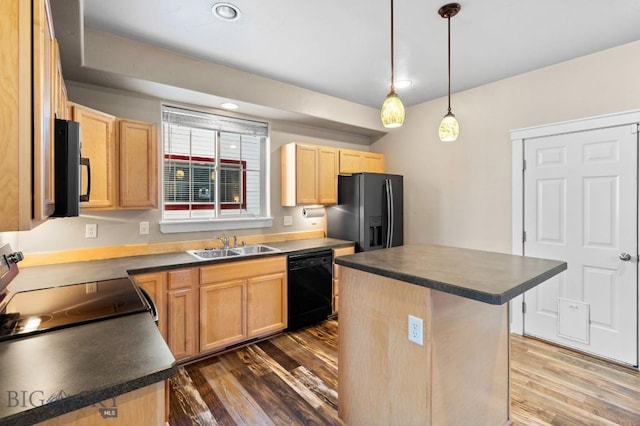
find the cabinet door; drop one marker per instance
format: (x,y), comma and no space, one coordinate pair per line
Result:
(154,284)
(97,139)
(327,175)
(266,304)
(43,118)
(336,274)
(182,309)
(137,143)
(373,162)
(60,102)
(306,174)
(350,161)
(222,314)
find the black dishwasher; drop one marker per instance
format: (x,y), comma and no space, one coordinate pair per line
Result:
(310,282)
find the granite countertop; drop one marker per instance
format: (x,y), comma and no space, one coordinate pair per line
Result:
(488,277)
(80,366)
(98,270)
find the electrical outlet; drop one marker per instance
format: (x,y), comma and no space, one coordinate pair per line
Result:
(415,330)
(144,228)
(91,230)
(287,221)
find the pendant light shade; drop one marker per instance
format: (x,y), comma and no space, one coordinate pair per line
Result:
(392,112)
(449,128)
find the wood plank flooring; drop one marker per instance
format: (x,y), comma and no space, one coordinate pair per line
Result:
(292,379)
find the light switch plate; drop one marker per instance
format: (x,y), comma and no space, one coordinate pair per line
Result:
(287,221)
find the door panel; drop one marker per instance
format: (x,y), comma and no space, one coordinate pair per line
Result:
(580,205)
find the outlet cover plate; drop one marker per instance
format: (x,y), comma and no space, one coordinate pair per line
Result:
(415,330)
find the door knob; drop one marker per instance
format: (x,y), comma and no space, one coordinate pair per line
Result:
(625,256)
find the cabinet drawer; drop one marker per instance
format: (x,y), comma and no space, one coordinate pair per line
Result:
(242,269)
(181,278)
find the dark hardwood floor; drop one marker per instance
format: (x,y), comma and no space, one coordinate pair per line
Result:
(292,379)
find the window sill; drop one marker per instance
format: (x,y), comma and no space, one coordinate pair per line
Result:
(176,226)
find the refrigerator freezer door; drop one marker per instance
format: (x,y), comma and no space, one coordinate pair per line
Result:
(369,211)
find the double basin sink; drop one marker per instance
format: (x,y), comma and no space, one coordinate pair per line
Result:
(218,253)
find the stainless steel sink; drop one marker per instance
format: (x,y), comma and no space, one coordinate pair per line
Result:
(254,249)
(208,254)
(219,253)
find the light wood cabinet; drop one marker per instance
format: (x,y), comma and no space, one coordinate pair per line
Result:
(123,156)
(336,274)
(138,170)
(155,284)
(352,161)
(60,101)
(222,314)
(210,308)
(26,133)
(182,312)
(266,304)
(241,300)
(98,143)
(308,174)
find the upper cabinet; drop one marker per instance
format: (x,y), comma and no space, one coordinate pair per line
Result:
(27,49)
(138,165)
(98,143)
(123,158)
(352,161)
(309,174)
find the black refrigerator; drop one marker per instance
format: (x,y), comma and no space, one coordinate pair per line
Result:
(369,211)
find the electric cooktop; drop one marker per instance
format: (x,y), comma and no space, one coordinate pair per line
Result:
(52,308)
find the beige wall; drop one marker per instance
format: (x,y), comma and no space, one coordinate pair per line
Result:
(121,227)
(460,193)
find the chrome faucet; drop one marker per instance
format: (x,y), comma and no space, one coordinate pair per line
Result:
(235,241)
(225,240)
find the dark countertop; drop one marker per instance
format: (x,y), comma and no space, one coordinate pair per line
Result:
(99,270)
(84,364)
(97,361)
(488,277)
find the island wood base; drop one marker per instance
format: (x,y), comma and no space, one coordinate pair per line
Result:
(460,376)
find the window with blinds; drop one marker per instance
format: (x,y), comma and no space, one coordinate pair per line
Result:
(213,166)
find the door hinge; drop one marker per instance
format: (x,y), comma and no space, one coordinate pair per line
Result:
(524,165)
(524,307)
(524,236)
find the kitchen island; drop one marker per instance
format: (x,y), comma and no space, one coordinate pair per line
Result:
(460,374)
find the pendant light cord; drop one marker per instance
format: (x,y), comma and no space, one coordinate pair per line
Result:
(392,78)
(449,61)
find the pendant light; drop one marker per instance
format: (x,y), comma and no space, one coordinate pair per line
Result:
(392,112)
(449,128)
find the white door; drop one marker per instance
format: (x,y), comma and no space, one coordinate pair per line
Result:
(580,205)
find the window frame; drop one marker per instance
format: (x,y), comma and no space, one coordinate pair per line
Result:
(223,222)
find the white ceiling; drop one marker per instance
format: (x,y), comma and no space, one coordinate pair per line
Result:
(342,48)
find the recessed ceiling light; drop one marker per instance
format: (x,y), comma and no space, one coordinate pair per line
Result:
(225,11)
(401,84)
(229,105)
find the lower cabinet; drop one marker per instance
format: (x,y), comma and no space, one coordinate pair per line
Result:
(242,300)
(222,314)
(209,308)
(336,274)
(182,309)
